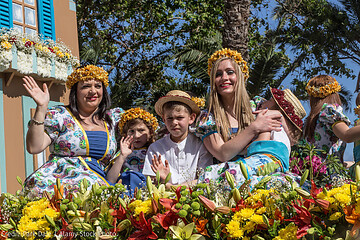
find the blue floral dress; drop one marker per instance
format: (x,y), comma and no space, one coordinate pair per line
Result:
(324,137)
(70,153)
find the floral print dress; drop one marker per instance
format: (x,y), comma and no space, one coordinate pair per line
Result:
(324,137)
(257,165)
(69,150)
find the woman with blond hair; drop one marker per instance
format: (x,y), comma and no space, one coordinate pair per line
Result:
(229,125)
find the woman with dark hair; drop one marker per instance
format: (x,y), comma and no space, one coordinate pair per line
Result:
(81,136)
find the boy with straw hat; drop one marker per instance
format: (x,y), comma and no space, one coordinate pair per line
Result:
(178,152)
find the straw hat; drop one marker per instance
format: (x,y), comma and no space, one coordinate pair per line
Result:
(176,96)
(289,105)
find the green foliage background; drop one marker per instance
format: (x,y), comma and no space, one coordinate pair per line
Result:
(151,47)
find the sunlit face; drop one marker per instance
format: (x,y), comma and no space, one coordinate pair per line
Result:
(140,133)
(177,122)
(225,78)
(89,94)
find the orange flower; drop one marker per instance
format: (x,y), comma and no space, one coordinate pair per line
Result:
(200,224)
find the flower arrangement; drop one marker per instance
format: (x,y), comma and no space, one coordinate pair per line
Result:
(196,212)
(134,113)
(305,159)
(47,52)
(88,72)
(324,91)
(236,56)
(200,102)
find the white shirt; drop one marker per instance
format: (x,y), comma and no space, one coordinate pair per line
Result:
(281,136)
(184,158)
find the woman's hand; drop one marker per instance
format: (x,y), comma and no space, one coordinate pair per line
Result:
(126,146)
(267,121)
(41,97)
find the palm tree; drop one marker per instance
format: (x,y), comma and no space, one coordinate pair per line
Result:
(236,26)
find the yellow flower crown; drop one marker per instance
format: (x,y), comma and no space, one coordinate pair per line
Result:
(88,72)
(134,113)
(236,56)
(324,91)
(200,102)
(357,110)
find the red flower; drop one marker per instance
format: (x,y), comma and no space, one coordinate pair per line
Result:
(64,232)
(119,213)
(302,220)
(144,229)
(167,219)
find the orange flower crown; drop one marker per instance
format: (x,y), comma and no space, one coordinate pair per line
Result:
(88,72)
(134,113)
(324,91)
(357,110)
(236,56)
(200,102)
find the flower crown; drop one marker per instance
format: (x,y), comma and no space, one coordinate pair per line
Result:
(88,72)
(357,110)
(200,102)
(236,56)
(324,91)
(134,113)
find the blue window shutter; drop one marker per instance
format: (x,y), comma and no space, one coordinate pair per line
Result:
(6,20)
(46,18)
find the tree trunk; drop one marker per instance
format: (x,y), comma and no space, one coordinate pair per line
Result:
(236,26)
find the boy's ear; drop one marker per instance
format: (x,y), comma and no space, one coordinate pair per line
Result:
(192,118)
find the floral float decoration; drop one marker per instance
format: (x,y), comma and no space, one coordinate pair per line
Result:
(31,54)
(199,212)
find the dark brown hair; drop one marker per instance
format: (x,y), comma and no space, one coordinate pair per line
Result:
(135,121)
(100,112)
(317,103)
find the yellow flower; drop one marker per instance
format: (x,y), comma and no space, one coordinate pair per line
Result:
(335,216)
(258,219)
(236,56)
(200,102)
(6,45)
(59,54)
(246,213)
(233,228)
(139,206)
(33,220)
(324,91)
(134,113)
(88,72)
(261,210)
(288,233)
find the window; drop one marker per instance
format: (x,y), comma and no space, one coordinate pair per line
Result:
(25,16)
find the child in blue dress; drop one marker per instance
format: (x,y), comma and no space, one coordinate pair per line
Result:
(137,128)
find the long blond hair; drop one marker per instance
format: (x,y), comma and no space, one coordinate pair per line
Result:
(316,103)
(243,112)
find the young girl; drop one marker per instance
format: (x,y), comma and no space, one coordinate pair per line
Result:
(137,128)
(326,126)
